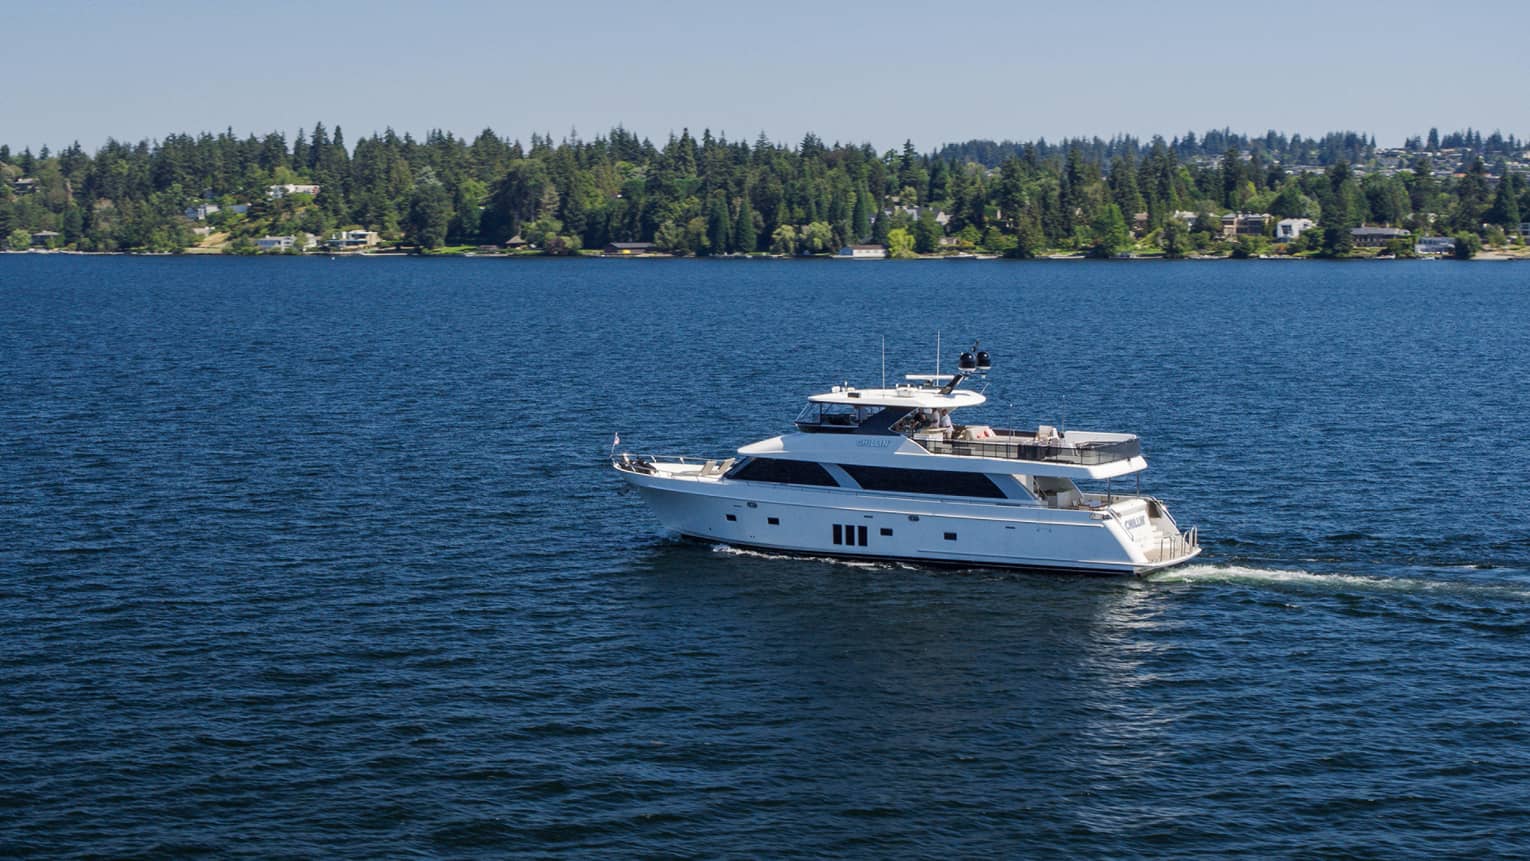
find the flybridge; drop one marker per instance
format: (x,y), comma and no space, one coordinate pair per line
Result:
(846,407)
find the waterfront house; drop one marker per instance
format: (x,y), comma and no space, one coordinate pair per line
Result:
(862,252)
(290,188)
(282,243)
(1185,217)
(202,210)
(1288,229)
(347,239)
(621,249)
(1435,245)
(1243,224)
(25,185)
(46,238)
(1376,237)
(914,212)
(515,243)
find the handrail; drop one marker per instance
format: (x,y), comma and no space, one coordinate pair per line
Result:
(1084,454)
(1175,546)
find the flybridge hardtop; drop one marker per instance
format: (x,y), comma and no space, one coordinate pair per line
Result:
(896,458)
(902,396)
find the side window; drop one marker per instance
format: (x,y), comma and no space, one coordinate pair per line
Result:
(924,481)
(780,471)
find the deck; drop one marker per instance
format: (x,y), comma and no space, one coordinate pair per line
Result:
(1024,445)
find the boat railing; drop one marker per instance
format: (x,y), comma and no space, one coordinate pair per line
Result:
(645,463)
(1010,445)
(1175,546)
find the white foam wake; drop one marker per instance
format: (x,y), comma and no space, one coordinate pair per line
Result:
(1300,578)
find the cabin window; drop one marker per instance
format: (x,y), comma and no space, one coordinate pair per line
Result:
(886,533)
(773,521)
(851,534)
(731,517)
(930,481)
(950,536)
(779,471)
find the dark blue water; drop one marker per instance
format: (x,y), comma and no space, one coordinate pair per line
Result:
(322,558)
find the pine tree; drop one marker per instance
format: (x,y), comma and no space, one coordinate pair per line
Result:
(1505,209)
(927,232)
(860,220)
(719,226)
(743,229)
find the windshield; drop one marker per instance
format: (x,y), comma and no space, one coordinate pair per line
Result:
(836,415)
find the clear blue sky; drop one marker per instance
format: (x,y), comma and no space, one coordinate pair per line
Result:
(861,72)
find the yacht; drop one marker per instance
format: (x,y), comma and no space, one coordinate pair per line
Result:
(891,474)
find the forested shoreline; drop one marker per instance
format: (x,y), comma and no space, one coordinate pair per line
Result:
(709,195)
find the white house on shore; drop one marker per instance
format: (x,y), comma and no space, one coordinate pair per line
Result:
(862,252)
(202,210)
(302,241)
(1435,245)
(290,188)
(1288,229)
(1376,237)
(352,239)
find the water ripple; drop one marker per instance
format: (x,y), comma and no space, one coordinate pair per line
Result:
(304,558)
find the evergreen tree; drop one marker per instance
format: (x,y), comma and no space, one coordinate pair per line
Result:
(430,212)
(1471,197)
(719,226)
(1173,240)
(860,220)
(927,232)
(1505,209)
(743,229)
(1111,236)
(880,229)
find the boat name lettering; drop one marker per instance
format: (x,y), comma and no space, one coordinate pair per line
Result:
(873,443)
(1136,522)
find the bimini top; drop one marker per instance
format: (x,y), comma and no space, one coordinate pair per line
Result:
(902,396)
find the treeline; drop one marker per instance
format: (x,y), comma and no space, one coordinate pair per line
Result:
(711,195)
(1330,149)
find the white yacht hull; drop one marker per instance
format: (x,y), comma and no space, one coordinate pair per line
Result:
(934,530)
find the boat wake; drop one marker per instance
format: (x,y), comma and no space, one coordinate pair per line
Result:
(1333,581)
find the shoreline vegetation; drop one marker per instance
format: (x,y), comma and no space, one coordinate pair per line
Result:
(1213,196)
(1511,254)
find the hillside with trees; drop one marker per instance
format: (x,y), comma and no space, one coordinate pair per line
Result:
(708,195)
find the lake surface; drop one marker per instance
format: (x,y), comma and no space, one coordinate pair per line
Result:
(322,558)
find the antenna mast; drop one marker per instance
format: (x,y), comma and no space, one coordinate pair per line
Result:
(884,361)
